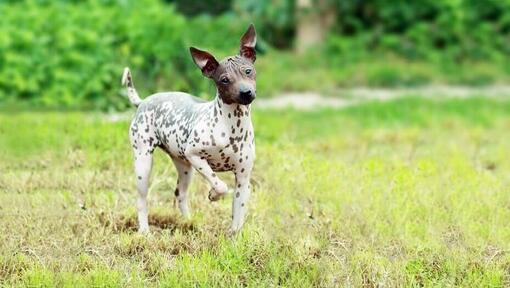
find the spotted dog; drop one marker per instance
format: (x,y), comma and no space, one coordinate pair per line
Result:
(210,137)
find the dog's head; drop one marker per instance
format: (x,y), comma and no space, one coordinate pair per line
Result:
(235,75)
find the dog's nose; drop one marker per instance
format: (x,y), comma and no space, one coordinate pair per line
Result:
(246,97)
(245,94)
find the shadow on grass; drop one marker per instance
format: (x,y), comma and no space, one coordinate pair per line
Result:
(157,222)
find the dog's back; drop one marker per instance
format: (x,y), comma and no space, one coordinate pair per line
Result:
(165,120)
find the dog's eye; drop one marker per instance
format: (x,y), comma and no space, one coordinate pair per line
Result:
(247,71)
(225,80)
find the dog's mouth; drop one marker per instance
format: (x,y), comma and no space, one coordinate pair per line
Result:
(246,101)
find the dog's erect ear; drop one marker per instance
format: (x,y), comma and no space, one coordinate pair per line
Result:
(205,61)
(248,42)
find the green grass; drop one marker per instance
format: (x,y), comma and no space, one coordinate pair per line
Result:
(324,72)
(404,193)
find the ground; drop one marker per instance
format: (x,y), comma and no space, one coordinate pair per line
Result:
(408,192)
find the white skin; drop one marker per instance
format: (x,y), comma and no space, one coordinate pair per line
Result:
(210,137)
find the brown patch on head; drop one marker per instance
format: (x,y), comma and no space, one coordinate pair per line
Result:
(234,75)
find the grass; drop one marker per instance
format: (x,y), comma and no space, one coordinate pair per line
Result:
(326,72)
(405,193)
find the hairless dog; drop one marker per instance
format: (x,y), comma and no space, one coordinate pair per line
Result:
(208,137)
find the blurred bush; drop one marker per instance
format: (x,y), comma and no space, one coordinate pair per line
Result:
(62,54)
(275,19)
(454,30)
(196,7)
(56,53)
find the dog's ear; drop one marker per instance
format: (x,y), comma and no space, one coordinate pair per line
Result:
(248,42)
(205,61)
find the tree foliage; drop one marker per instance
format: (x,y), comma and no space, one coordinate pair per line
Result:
(71,53)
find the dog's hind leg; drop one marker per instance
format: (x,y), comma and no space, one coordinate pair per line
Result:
(185,173)
(143,166)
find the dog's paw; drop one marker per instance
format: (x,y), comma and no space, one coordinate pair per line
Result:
(143,230)
(214,195)
(221,188)
(232,232)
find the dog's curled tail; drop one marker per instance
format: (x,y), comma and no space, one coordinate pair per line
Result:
(127,81)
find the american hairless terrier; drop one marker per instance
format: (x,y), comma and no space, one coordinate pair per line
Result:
(210,136)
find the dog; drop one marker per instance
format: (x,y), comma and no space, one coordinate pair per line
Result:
(208,137)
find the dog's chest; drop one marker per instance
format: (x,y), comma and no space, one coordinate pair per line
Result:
(226,142)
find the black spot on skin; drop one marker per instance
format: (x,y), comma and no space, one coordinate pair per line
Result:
(185,172)
(176,193)
(242,204)
(139,177)
(238,122)
(213,174)
(223,134)
(242,170)
(238,194)
(238,185)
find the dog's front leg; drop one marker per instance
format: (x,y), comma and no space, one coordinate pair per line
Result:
(201,165)
(240,200)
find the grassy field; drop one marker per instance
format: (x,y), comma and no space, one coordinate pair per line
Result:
(405,193)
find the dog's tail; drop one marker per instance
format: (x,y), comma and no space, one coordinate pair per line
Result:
(127,81)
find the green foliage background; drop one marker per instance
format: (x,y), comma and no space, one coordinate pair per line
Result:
(71,53)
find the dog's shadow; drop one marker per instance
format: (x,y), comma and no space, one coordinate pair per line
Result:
(157,222)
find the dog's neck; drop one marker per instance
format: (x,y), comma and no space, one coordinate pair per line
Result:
(231,111)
